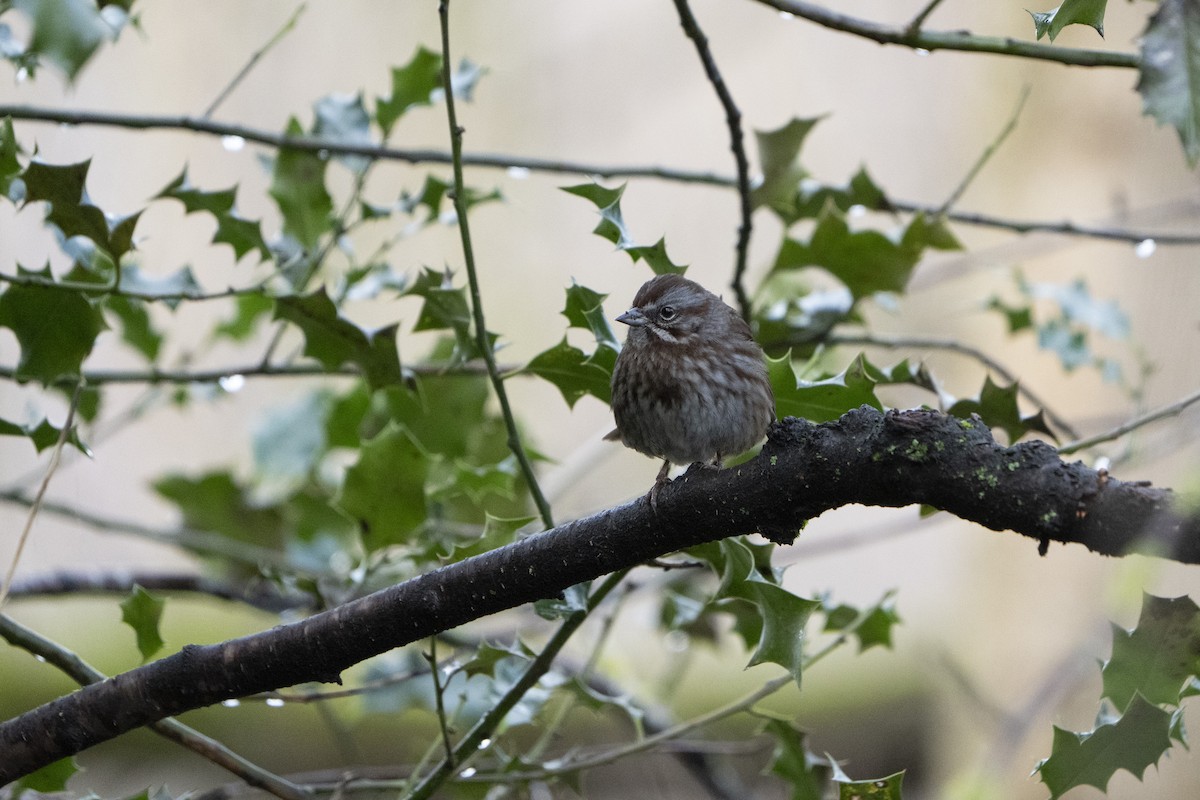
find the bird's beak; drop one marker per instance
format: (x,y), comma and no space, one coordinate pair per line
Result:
(634,318)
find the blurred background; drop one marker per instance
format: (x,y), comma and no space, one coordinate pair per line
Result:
(997,644)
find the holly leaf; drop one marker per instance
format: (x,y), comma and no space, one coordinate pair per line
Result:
(298,188)
(997,406)
(446,308)
(497,532)
(241,234)
(50,779)
(784,616)
(142,612)
(288,444)
(385,489)
(779,160)
(70,210)
(43,435)
(1159,657)
(215,502)
(343,118)
(55,328)
(822,400)
(1019,318)
(66,32)
(10,166)
(867,261)
(435,192)
(585,310)
(1133,742)
(805,774)
(334,340)
(871,626)
(575,373)
(1169,71)
(136,328)
(612,227)
(781,615)
(412,85)
(1071,12)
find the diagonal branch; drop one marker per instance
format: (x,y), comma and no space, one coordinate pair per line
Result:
(920,39)
(733,118)
(868,457)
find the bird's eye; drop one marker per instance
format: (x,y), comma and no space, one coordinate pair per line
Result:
(666,313)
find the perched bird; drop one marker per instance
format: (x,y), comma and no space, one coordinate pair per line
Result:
(690,384)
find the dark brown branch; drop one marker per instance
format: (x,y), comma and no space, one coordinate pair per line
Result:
(733,120)
(867,457)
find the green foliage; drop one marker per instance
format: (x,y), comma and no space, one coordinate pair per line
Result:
(412,85)
(1068,333)
(1158,658)
(66,32)
(805,775)
(47,780)
(43,435)
(55,328)
(1169,79)
(1152,668)
(1133,742)
(612,227)
(385,489)
(298,188)
(142,612)
(1071,12)
(997,407)
(333,340)
(241,234)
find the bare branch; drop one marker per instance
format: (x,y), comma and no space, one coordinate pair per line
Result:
(733,119)
(918,39)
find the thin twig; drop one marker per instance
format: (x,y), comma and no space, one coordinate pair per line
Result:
(199,541)
(985,156)
(733,118)
(255,57)
(36,505)
(84,674)
(545,165)
(264,595)
(922,15)
(1132,425)
(683,728)
(116,291)
(540,665)
(438,690)
(464,229)
(952,40)
(953,346)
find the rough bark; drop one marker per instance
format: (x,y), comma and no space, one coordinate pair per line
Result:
(867,457)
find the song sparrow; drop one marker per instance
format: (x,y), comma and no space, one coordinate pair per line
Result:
(690,383)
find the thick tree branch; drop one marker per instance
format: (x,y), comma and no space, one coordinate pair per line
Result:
(867,457)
